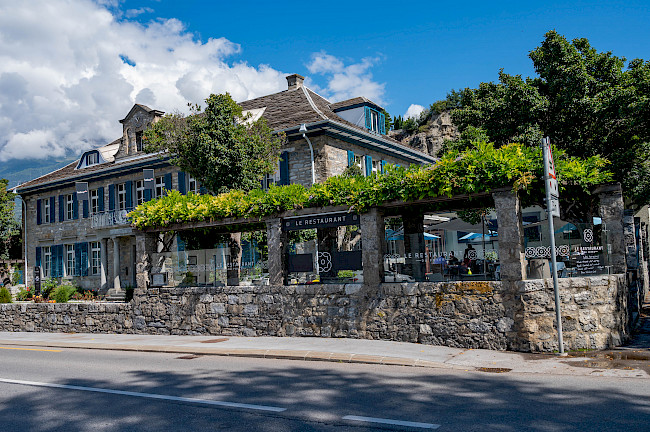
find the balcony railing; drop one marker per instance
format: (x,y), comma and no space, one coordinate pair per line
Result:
(110,219)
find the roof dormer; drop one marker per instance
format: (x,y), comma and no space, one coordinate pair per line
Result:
(363,113)
(90,158)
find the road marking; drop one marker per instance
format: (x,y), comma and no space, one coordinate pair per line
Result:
(30,349)
(147,395)
(392,422)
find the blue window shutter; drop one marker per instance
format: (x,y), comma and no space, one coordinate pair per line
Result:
(84,259)
(75,206)
(57,261)
(85,208)
(168,181)
(38,256)
(111,197)
(147,194)
(368,165)
(284,168)
(181,183)
(38,212)
(52,210)
(100,197)
(77,259)
(382,124)
(383,166)
(350,158)
(129,194)
(61,208)
(366,111)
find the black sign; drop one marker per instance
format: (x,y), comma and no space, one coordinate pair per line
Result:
(589,260)
(320,221)
(82,190)
(37,281)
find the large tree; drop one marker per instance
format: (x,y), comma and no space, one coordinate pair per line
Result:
(587,102)
(9,227)
(219,146)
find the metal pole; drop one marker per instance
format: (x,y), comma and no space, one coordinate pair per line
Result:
(549,212)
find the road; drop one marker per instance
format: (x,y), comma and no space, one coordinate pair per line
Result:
(128,391)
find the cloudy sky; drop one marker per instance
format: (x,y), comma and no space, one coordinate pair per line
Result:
(70,69)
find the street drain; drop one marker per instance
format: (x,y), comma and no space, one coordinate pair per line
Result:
(188,357)
(493,370)
(214,340)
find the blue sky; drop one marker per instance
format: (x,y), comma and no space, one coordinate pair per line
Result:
(70,69)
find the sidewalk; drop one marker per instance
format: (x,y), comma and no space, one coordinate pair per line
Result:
(340,350)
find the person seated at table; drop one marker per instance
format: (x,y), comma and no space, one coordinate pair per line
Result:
(452,259)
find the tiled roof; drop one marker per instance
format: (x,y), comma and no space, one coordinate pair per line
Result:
(354,101)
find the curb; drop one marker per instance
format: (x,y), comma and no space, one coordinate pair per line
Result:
(304,355)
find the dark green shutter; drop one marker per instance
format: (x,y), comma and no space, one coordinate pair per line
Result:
(350,158)
(284,168)
(84,259)
(147,194)
(38,212)
(100,199)
(75,206)
(52,210)
(181,183)
(77,259)
(111,197)
(368,165)
(129,194)
(168,181)
(57,261)
(85,208)
(38,256)
(61,208)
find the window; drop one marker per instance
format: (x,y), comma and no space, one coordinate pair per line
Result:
(160,186)
(267,181)
(47,261)
(69,207)
(138,141)
(95,258)
(376,166)
(358,161)
(69,260)
(139,192)
(46,211)
(121,196)
(193,185)
(92,159)
(374,121)
(94,201)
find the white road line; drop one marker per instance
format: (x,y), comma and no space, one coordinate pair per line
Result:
(147,395)
(392,422)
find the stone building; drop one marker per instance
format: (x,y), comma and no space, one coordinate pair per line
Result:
(86,236)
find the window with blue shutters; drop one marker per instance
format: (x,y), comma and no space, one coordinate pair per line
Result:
(81,259)
(375,121)
(100,198)
(111,197)
(75,206)
(85,209)
(181,183)
(368,165)
(350,158)
(168,181)
(128,194)
(284,168)
(61,208)
(38,212)
(52,210)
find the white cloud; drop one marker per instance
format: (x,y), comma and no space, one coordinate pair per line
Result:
(64,85)
(345,82)
(413,111)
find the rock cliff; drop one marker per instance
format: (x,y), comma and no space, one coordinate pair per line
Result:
(436,131)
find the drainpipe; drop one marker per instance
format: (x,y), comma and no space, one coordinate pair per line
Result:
(303,129)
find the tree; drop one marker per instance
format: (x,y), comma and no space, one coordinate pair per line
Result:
(220,146)
(9,226)
(587,102)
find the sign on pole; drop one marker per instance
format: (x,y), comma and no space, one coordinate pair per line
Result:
(551,182)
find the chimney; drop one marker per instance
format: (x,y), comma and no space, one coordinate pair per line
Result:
(295,81)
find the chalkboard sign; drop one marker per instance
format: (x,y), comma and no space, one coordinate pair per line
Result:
(589,260)
(37,281)
(320,221)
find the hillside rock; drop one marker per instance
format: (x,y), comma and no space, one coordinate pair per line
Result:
(439,127)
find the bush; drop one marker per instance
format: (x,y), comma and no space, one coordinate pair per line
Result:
(5,295)
(63,293)
(48,286)
(24,294)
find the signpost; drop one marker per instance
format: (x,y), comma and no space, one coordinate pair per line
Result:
(552,209)
(37,281)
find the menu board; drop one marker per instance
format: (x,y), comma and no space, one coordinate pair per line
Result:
(589,260)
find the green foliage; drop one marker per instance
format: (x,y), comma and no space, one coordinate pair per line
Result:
(5,295)
(586,101)
(353,171)
(47,286)
(62,293)
(219,146)
(9,227)
(481,168)
(388,120)
(24,294)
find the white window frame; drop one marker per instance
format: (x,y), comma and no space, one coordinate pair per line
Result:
(160,186)
(46,210)
(95,258)
(69,260)
(193,184)
(374,121)
(94,201)
(47,261)
(376,166)
(121,196)
(92,159)
(139,192)
(69,207)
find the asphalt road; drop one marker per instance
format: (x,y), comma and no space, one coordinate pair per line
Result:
(84,390)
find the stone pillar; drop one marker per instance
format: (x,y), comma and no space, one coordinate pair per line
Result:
(414,248)
(277,250)
(116,264)
(372,246)
(511,235)
(145,247)
(103,269)
(611,212)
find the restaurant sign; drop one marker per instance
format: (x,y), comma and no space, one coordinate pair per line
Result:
(329,220)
